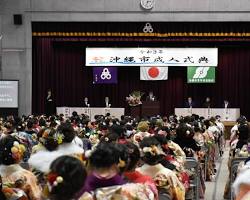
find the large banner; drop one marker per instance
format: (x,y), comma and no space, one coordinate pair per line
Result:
(104,75)
(151,57)
(201,75)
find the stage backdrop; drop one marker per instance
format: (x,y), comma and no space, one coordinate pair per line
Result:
(59,64)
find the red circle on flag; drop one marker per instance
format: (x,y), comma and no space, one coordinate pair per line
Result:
(153,72)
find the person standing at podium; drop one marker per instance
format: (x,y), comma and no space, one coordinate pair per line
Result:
(151,97)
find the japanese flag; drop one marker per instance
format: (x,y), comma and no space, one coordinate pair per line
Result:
(153,73)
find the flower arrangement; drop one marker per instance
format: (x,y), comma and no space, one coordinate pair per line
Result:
(134,99)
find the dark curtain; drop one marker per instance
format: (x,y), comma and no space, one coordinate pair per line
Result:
(60,65)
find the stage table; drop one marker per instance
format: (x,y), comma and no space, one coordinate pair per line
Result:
(91,111)
(227,114)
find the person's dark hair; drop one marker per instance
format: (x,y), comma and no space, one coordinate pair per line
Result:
(74,114)
(123,123)
(148,157)
(161,139)
(73,173)
(117,129)
(207,123)
(53,124)
(133,155)
(49,142)
(129,127)
(20,127)
(187,119)
(68,132)
(103,127)
(42,122)
(241,120)
(6,143)
(197,126)
(30,123)
(243,131)
(123,156)
(184,131)
(105,155)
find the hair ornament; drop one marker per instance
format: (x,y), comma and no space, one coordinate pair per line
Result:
(153,150)
(54,179)
(121,163)
(17,150)
(46,133)
(59,137)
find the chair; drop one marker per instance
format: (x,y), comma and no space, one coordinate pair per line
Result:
(192,164)
(233,172)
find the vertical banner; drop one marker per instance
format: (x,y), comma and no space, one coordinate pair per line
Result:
(104,75)
(201,74)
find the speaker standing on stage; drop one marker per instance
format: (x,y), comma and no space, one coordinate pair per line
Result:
(151,97)
(49,104)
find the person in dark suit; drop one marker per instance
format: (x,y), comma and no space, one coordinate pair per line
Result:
(151,97)
(189,103)
(207,103)
(49,104)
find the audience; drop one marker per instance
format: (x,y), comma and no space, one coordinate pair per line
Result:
(75,158)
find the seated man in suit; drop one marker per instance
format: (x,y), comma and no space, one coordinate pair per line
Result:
(151,97)
(107,104)
(207,103)
(226,104)
(189,103)
(86,102)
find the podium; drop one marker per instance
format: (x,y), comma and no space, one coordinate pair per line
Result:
(135,111)
(150,108)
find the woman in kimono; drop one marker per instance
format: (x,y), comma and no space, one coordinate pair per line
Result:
(13,175)
(165,179)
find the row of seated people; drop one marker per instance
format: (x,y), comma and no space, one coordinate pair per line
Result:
(74,158)
(238,163)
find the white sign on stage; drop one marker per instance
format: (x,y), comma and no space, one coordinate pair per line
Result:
(152,57)
(227,114)
(90,111)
